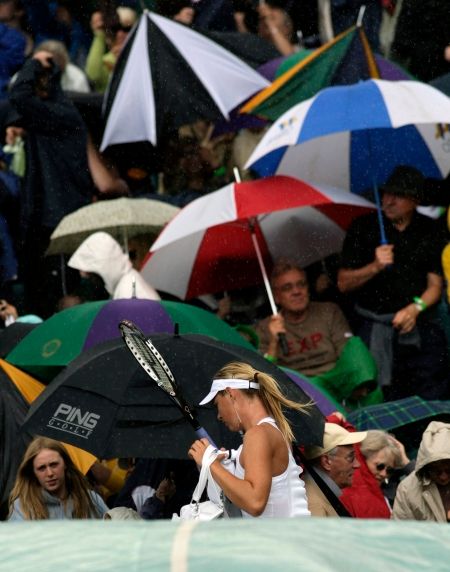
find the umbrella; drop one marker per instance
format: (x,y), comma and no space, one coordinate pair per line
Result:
(168,75)
(122,218)
(61,338)
(344,60)
(324,401)
(105,402)
(354,136)
(393,414)
(407,418)
(12,335)
(214,243)
(442,83)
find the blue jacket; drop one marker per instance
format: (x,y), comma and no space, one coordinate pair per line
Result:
(12,55)
(57,510)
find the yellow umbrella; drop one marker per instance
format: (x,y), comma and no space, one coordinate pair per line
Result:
(30,388)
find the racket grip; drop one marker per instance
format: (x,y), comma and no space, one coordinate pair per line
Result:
(202,434)
(283,344)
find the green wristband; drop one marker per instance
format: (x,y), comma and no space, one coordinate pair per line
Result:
(420,304)
(270,358)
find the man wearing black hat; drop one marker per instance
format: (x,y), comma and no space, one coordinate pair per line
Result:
(396,287)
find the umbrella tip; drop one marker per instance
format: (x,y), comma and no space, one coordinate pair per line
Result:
(176,332)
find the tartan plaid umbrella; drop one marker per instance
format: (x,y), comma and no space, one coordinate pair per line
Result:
(394,414)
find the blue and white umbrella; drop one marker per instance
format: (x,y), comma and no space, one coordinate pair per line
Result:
(353,136)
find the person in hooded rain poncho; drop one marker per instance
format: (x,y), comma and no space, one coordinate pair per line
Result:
(100,254)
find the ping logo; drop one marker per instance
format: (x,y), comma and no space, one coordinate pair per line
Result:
(73,420)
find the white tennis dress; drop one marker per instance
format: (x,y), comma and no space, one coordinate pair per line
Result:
(287,496)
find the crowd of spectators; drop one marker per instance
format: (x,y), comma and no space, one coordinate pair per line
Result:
(56,60)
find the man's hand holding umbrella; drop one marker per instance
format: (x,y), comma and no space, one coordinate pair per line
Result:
(276,328)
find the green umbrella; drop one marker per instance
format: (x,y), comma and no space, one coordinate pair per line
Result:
(57,341)
(344,60)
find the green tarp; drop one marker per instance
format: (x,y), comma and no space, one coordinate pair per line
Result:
(306,545)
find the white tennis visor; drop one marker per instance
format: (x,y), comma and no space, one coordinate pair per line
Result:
(221,384)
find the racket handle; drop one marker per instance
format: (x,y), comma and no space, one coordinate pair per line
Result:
(202,434)
(283,344)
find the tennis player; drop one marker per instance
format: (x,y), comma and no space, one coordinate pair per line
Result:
(265,479)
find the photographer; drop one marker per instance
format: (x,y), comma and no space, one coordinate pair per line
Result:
(57,179)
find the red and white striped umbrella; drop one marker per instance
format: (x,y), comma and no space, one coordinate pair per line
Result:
(209,246)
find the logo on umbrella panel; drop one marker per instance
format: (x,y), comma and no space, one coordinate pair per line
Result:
(283,128)
(71,419)
(51,347)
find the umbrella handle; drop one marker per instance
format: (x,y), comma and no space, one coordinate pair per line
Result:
(283,343)
(281,337)
(203,434)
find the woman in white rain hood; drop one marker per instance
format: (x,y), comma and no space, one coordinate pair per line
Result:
(102,255)
(266,480)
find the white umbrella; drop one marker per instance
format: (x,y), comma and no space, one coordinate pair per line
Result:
(123,218)
(169,75)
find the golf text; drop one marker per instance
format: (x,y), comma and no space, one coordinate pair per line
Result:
(73,420)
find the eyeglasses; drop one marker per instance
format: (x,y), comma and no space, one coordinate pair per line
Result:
(289,286)
(382,466)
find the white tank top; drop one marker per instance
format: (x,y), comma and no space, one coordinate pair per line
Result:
(287,496)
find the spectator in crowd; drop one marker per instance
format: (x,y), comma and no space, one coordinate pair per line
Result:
(421,38)
(49,486)
(378,456)
(335,463)
(100,255)
(425,493)
(181,11)
(158,488)
(72,77)
(12,55)
(275,25)
(109,38)
(396,287)
(336,16)
(319,340)
(57,180)
(13,15)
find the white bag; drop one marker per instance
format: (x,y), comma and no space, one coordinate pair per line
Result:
(207,510)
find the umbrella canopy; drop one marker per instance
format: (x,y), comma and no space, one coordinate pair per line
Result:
(17,391)
(354,136)
(61,338)
(208,247)
(122,218)
(12,335)
(344,60)
(406,418)
(105,402)
(394,414)
(168,75)
(442,83)
(325,403)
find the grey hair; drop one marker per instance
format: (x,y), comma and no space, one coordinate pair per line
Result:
(377,440)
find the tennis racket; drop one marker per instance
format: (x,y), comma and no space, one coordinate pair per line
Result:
(154,365)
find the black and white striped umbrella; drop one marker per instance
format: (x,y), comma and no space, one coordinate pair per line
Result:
(169,75)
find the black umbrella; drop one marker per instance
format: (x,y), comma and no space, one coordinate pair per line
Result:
(105,403)
(168,75)
(12,335)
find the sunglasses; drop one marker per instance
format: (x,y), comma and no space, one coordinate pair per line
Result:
(382,466)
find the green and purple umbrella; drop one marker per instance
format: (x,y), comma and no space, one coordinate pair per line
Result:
(53,344)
